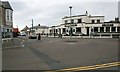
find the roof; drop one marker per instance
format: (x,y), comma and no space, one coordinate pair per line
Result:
(6,5)
(26,28)
(96,16)
(39,27)
(81,15)
(74,16)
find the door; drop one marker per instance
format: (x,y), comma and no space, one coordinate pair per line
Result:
(87,31)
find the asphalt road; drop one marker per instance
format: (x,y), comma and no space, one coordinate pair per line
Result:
(59,53)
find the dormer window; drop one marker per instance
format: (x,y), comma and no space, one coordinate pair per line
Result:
(98,21)
(93,21)
(66,21)
(79,20)
(72,21)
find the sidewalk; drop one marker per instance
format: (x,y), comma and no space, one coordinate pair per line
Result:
(6,39)
(11,43)
(89,37)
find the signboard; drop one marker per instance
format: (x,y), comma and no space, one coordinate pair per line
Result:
(68,25)
(107,25)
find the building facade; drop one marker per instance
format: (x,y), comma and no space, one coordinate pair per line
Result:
(43,30)
(7,20)
(87,25)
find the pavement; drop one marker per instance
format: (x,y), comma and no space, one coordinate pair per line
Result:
(62,54)
(11,43)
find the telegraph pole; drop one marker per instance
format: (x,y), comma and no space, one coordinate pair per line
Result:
(70,22)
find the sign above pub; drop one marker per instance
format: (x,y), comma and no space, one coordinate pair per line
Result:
(68,25)
(108,24)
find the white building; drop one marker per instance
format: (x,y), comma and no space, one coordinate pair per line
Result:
(43,30)
(87,25)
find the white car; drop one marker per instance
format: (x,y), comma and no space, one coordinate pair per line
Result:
(23,34)
(33,36)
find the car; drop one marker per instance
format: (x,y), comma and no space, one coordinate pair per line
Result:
(23,34)
(34,36)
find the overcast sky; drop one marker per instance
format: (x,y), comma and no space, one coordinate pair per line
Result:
(51,12)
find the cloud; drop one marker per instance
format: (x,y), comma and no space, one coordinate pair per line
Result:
(50,12)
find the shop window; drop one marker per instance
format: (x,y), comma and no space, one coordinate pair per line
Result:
(101,29)
(107,29)
(78,29)
(118,29)
(113,29)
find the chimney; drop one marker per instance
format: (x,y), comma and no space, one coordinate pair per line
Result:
(86,13)
(38,24)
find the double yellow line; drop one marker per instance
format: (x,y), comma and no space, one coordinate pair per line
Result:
(94,67)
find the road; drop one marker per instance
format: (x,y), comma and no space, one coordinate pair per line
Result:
(59,53)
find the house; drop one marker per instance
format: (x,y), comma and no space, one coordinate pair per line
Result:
(25,30)
(43,30)
(6,13)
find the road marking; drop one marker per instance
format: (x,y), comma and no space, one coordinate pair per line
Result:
(94,67)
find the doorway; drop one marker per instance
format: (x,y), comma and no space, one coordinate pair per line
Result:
(87,31)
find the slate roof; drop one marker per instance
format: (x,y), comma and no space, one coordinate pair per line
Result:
(6,5)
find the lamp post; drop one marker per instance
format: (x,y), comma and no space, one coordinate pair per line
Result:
(70,22)
(32,26)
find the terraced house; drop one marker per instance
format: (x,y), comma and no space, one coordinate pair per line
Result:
(6,13)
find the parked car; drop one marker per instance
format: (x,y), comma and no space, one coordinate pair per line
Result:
(33,36)
(23,34)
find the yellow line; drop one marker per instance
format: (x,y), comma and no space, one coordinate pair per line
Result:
(94,67)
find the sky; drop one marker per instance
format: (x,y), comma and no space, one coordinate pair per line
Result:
(51,12)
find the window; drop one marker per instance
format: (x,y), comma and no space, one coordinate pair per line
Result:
(95,29)
(72,21)
(56,30)
(64,30)
(11,16)
(107,29)
(66,21)
(78,29)
(50,31)
(7,30)
(93,21)
(101,29)
(113,29)
(7,15)
(73,30)
(98,21)
(79,20)
(118,29)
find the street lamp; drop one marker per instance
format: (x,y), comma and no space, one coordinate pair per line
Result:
(70,22)
(32,27)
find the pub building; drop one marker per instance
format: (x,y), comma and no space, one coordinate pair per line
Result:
(87,25)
